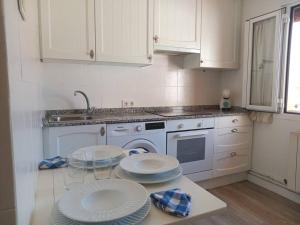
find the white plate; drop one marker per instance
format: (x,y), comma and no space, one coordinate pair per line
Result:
(115,161)
(149,179)
(137,217)
(150,163)
(104,152)
(103,201)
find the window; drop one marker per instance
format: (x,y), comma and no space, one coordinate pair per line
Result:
(263,47)
(292,103)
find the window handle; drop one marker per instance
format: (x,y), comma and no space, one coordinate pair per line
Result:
(235,121)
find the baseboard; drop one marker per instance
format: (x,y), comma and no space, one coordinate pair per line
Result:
(274,188)
(222,181)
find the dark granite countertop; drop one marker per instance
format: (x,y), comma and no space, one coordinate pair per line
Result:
(131,115)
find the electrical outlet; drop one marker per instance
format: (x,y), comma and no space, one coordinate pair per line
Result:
(124,104)
(127,104)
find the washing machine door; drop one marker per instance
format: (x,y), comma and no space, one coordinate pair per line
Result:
(142,144)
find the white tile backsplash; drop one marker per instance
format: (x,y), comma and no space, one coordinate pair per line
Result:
(164,83)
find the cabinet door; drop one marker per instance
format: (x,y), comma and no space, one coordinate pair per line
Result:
(67,29)
(62,141)
(263,62)
(226,163)
(220,34)
(124,31)
(177,25)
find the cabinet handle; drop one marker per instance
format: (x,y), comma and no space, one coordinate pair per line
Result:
(21,9)
(234,130)
(233,154)
(156,38)
(92,54)
(102,131)
(150,57)
(235,121)
(201,61)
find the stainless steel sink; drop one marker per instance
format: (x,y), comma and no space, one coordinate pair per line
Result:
(63,118)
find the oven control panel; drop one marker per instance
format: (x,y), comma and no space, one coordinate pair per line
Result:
(190,124)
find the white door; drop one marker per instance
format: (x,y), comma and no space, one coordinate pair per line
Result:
(67,29)
(177,25)
(263,62)
(62,141)
(220,34)
(124,31)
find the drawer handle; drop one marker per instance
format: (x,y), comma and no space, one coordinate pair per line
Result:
(235,121)
(121,129)
(234,130)
(233,154)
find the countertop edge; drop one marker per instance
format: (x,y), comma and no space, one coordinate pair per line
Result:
(147,118)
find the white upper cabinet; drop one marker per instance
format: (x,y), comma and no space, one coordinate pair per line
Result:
(177,25)
(104,31)
(262,62)
(67,29)
(124,31)
(220,35)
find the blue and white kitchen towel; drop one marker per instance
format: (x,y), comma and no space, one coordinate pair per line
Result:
(174,202)
(53,163)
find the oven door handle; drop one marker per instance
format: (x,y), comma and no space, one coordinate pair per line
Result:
(192,134)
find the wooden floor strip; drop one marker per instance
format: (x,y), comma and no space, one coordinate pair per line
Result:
(249,204)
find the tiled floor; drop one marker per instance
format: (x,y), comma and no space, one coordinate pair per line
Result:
(249,204)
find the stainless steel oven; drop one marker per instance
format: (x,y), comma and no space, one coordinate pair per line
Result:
(191,142)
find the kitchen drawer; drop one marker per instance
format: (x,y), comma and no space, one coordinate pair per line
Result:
(229,139)
(233,121)
(226,163)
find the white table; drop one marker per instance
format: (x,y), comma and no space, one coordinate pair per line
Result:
(51,188)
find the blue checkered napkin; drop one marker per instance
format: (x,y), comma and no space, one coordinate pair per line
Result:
(174,202)
(53,163)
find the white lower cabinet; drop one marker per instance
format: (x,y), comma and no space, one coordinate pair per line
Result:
(232,145)
(62,141)
(230,162)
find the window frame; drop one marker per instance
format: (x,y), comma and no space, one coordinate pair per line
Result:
(277,59)
(288,57)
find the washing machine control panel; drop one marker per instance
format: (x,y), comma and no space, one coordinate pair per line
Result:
(155,126)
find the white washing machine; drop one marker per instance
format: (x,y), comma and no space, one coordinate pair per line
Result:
(150,136)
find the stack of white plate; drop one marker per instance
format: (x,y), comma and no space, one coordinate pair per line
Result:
(104,153)
(109,202)
(149,168)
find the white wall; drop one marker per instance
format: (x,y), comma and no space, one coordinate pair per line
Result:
(270,142)
(162,84)
(24,70)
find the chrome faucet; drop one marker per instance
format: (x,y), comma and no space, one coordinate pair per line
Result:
(88,107)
